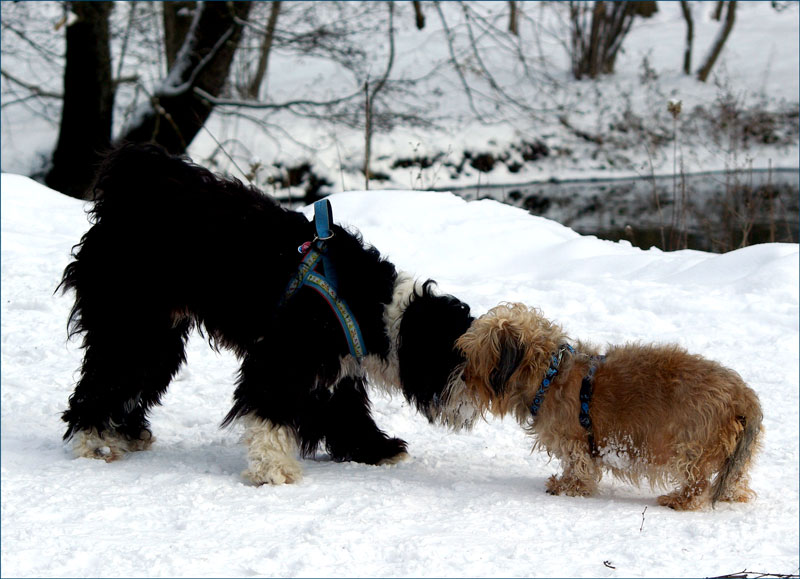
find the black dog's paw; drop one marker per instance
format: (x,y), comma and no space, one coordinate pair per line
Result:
(378,451)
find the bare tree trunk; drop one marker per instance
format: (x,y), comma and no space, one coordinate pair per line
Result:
(513,17)
(370,97)
(598,20)
(177,17)
(367,134)
(717,15)
(595,50)
(687,53)
(86,116)
(418,15)
(716,49)
(646,8)
(178,109)
(266,48)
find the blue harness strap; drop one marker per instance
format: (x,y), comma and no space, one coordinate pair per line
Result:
(323,218)
(346,318)
(549,376)
(326,285)
(586,390)
(587,386)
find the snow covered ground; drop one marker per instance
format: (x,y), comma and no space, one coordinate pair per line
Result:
(465,504)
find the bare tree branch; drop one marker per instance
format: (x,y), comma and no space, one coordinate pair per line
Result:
(37,91)
(456,65)
(371,97)
(687,54)
(716,49)
(284,105)
(266,48)
(418,15)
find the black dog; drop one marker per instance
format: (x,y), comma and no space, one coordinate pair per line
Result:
(175,247)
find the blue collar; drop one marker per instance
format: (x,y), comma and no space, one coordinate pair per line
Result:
(549,376)
(326,285)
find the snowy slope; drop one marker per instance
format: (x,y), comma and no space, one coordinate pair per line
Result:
(465,504)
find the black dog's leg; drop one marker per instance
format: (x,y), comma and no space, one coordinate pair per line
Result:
(288,409)
(351,433)
(126,369)
(272,389)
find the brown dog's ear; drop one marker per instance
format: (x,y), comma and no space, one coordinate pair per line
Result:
(510,356)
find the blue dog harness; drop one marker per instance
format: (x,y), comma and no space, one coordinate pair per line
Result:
(549,376)
(315,253)
(587,385)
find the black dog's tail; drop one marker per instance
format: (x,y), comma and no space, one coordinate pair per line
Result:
(750,416)
(132,172)
(148,205)
(125,175)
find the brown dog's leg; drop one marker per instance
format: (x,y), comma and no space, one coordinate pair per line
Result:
(580,476)
(741,491)
(692,496)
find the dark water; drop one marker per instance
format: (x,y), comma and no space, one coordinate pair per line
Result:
(710,211)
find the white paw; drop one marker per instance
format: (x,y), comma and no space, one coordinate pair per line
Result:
(399,457)
(109,446)
(270,453)
(261,472)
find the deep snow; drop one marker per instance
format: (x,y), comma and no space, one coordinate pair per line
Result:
(465,504)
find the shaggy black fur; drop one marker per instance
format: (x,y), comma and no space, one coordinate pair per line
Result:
(430,324)
(175,247)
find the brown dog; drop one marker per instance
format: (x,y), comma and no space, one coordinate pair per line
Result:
(640,411)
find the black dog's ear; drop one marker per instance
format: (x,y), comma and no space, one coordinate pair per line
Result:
(510,357)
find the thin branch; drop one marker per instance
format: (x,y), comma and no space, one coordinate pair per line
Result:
(488,75)
(266,47)
(687,53)
(284,105)
(719,42)
(370,98)
(168,90)
(449,36)
(754,575)
(389,64)
(126,38)
(43,50)
(37,91)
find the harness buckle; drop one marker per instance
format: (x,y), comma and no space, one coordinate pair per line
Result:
(314,254)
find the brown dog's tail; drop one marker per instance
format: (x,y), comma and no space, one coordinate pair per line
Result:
(746,444)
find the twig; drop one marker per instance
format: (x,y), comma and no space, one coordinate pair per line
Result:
(37,91)
(258,105)
(126,38)
(449,37)
(596,139)
(177,90)
(745,574)
(225,152)
(486,74)
(370,98)
(642,525)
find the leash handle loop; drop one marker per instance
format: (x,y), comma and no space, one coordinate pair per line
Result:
(323,217)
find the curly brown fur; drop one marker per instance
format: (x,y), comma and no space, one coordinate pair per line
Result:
(657,412)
